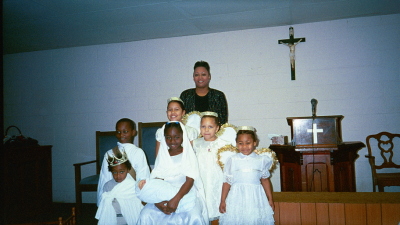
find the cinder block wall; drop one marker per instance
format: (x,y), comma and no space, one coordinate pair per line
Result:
(61,97)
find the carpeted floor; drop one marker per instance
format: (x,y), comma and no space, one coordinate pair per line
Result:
(56,210)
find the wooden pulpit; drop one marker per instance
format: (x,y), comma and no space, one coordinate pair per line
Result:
(317,159)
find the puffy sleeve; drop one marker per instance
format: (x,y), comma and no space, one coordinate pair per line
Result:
(159,135)
(228,176)
(192,133)
(266,164)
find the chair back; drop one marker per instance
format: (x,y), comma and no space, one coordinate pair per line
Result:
(385,148)
(105,140)
(147,139)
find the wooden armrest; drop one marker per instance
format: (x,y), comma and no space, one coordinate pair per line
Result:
(84,163)
(77,166)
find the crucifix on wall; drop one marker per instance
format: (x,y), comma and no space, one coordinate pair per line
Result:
(291,43)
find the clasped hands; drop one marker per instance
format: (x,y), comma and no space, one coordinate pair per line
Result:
(168,207)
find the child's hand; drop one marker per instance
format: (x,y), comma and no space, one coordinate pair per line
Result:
(141,184)
(162,206)
(173,204)
(222,207)
(271,203)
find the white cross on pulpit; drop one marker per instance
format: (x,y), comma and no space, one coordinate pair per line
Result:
(315,132)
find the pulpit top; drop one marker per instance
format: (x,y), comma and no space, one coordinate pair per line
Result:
(290,119)
(318,131)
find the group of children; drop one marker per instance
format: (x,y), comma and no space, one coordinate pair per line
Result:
(187,184)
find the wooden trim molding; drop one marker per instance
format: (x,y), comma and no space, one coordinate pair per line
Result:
(337,197)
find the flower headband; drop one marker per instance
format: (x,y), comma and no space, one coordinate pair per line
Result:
(208,113)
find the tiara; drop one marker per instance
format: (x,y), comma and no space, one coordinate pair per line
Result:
(250,128)
(208,113)
(174,99)
(115,161)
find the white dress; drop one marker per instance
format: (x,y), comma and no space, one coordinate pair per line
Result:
(175,169)
(210,173)
(190,213)
(247,202)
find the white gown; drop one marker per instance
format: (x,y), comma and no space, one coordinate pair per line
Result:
(247,202)
(175,169)
(210,172)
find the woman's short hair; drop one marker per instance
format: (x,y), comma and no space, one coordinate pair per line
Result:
(202,64)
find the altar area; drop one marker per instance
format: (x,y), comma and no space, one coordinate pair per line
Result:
(317,160)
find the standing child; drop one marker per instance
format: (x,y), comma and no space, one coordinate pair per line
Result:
(118,202)
(206,149)
(175,112)
(248,201)
(125,133)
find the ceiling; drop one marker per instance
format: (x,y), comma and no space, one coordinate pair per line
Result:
(32,25)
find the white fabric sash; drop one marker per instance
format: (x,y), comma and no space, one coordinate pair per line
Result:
(125,194)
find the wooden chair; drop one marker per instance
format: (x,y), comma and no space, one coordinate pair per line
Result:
(105,140)
(71,220)
(147,139)
(381,150)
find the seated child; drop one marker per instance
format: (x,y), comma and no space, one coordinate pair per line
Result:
(118,203)
(125,132)
(149,191)
(176,164)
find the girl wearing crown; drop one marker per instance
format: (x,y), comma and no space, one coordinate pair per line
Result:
(118,203)
(206,149)
(247,193)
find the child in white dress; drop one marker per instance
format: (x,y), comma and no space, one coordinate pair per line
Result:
(247,193)
(118,202)
(176,164)
(206,149)
(175,112)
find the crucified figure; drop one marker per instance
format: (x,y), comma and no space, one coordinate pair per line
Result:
(291,43)
(292,51)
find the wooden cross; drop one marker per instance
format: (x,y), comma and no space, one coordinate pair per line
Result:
(292,42)
(315,132)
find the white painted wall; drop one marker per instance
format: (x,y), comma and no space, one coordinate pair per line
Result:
(61,97)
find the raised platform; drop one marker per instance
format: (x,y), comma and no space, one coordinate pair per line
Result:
(337,208)
(338,197)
